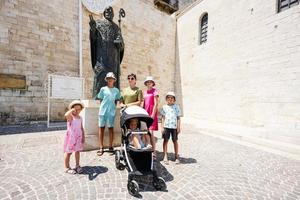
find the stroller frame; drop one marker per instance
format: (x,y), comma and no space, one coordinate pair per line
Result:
(138,162)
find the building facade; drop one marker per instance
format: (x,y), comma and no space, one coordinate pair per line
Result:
(239,67)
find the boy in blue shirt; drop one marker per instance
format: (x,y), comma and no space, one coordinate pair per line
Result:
(170,125)
(109,96)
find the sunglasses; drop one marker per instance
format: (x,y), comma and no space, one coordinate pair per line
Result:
(131,78)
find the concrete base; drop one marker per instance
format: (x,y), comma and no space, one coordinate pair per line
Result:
(90,124)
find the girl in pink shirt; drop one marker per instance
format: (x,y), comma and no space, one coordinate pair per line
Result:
(151,100)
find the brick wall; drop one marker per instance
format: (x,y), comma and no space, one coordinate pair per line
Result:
(40,37)
(36,38)
(149,46)
(245,79)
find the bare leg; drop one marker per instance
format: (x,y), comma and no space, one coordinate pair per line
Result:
(77,158)
(111,136)
(165,147)
(67,160)
(153,141)
(176,148)
(147,139)
(135,142)
(101,137)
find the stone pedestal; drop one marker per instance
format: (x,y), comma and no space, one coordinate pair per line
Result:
(90,124)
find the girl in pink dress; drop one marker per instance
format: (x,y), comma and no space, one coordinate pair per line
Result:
(150,105)
(74,138)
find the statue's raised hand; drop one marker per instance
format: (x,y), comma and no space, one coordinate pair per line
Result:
(92,21)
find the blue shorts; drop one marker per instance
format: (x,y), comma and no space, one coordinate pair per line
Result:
(106,120)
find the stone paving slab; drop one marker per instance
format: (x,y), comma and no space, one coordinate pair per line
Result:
(211,168)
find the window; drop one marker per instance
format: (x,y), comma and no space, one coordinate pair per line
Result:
(203,29)
(286,4)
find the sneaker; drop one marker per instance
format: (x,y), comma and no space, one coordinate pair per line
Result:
(166,161)
(149,146)
(177,161)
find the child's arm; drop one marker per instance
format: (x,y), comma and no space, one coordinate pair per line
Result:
(162,124)
(83,135)
(118,104)
(178,125)
(155,106)
(68,114)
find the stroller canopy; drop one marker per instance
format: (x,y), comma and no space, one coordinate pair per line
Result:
(135,112)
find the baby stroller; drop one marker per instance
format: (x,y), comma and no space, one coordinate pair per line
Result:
(139,162)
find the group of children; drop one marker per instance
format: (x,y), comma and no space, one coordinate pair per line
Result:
(110,98)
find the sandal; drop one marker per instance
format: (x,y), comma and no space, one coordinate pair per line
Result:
(110,149)
(70,171)
(78,169)
(100,152)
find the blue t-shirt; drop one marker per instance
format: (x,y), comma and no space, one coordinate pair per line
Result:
(171,114)
(108,97)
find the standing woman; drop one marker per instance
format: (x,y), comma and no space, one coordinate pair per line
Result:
(131,95)
(151,100)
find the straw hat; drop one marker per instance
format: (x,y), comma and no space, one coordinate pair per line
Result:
(149,78)
(76,102)
(170,93)
(110,75)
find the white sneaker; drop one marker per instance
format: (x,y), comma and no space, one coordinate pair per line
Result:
(149,146)
(177,161)
(166,161)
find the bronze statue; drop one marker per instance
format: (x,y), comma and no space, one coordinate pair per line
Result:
(107,48)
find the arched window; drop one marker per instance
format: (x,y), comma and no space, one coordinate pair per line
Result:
(203,29)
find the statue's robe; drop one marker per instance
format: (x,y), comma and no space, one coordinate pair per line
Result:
(107,50)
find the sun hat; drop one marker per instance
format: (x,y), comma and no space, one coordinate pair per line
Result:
(110,75)
(170,93)
(149,78)
(76,102)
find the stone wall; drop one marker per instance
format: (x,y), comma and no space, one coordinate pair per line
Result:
(149,46)
(40,37)
(36,38)
(245,79)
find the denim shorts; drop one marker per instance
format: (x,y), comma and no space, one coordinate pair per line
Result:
(106,120)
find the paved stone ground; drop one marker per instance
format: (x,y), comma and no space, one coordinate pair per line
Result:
(39,126)
(31,167)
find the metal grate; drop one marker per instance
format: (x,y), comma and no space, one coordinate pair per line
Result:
(203,29)
(286,4)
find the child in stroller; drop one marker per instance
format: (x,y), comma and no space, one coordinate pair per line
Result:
(138,138)
(138,161)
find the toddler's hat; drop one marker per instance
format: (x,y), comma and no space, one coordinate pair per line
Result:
(170,93)
(76,102)
(149,78)
(110,75)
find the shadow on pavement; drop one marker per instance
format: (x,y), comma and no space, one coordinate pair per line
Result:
(93,171)
(171,156)
(31,128)
(146,183)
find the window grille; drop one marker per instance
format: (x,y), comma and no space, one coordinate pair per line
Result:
(203,28)
(286,4)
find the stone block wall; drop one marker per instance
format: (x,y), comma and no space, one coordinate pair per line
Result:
(41,37)
(36,38)
(149,37)
(245,79)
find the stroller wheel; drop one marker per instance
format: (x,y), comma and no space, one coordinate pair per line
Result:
(118,159)
(133,188)
(159,184)
(119,165)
